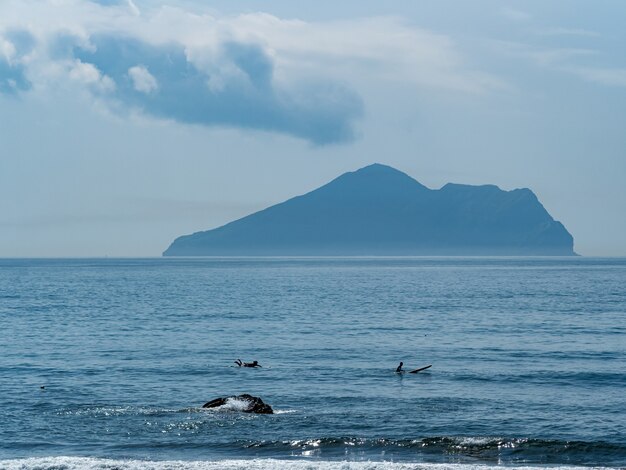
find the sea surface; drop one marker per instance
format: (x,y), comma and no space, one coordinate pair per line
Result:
(105,363)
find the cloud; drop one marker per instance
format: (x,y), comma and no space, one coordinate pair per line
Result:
(12,78)
(161,81)
(22,41)
(143,80)
(515,14)
(568,60)
(88,74)
(128,3)
(603,76)
(15,45)
(385,49)
(253,71)
(555,57)
(568,32)
(582,62)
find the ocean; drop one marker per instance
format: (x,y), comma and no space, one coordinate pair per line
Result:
(105,363)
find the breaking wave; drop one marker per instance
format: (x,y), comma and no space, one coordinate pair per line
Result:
(86,463)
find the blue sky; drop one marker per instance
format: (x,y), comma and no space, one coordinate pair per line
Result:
(124,124)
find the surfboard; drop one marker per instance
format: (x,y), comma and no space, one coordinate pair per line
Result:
(420,369)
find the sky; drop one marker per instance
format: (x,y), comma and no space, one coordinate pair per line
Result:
(127,123)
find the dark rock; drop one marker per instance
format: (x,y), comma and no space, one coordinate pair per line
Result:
(379,210)
(250,404)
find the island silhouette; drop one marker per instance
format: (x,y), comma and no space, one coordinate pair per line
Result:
(381,211)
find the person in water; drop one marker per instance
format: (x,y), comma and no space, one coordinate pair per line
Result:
(399,368)
(247,364)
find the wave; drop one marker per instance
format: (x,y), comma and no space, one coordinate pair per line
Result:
(88,463)
(528,450)
(583,378)
(454,449)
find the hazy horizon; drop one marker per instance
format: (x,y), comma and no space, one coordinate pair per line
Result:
(127,123)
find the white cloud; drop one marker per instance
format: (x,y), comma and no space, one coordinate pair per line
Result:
(383,47)
(515,14)
(88,74)
(133,8)
(602,76)
(568,32)
(556,57)
(288,76)
(570,60)
(143,80)
(567,60)
(7,49)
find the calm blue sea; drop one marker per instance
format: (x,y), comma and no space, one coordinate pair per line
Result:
(528,363)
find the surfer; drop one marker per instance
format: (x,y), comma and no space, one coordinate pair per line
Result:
(399,368)
(247,364)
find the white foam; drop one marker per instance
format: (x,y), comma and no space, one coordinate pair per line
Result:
(232,404)
(483,441)
(235,404)
(86,463)
(117,411)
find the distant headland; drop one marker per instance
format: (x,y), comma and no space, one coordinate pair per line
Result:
(381,211)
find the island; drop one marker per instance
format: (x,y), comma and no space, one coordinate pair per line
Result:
(381,211)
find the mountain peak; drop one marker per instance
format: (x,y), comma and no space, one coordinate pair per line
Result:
(378,176)
(377,168)
(380,170)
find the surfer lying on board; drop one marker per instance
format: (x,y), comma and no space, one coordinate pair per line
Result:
(247,364)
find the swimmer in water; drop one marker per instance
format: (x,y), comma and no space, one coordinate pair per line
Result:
(399,368)
(247,364)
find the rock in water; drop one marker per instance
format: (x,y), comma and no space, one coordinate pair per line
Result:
(245,403)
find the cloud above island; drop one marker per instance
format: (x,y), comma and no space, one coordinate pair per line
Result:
(251,71)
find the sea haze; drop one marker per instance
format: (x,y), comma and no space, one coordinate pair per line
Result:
(528,354)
